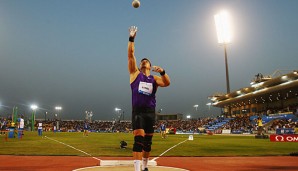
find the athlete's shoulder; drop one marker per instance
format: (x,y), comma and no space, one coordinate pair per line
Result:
(133,76)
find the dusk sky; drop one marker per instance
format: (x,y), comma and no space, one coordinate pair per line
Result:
(74,53)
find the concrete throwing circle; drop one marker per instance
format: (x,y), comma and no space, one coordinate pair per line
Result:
(127,168)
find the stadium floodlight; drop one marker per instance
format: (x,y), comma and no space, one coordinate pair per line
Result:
(58,108)
(117,109)
(209,104)
(188,116)
(223,29)
(196,106)
(33,107)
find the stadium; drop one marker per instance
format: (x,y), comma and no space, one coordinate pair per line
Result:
(219,134)
(68,102)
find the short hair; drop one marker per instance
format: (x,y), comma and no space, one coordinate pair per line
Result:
(147,60)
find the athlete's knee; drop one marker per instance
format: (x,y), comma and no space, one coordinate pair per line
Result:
(147,143)
(138,144)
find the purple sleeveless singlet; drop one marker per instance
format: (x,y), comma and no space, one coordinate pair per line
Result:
(143,91)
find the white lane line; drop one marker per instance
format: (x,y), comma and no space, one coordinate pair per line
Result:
(169,150)
(73,148)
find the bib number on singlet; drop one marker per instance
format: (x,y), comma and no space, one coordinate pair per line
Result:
(145,88)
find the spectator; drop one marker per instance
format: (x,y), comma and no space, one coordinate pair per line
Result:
(39,129)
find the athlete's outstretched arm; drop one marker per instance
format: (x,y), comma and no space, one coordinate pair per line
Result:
(132,64)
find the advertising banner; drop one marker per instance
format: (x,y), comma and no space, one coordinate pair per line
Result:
(226,131)
(284,138)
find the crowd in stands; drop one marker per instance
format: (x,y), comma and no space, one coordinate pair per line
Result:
(78,125)
(239,123)
(191,125)
(282,124)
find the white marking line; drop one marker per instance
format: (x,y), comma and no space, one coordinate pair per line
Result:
(169,150)
(73,148)
(94,167)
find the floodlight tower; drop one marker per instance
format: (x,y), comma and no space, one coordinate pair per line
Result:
(89,115)
(33,107)
(118,112)
(45,116)
(196,106)
(58,108)
(223,29)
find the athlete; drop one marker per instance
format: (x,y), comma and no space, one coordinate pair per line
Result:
(143,86)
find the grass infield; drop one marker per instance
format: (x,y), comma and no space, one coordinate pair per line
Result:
(107,144)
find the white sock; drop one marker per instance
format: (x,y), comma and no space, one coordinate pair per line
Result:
(137,164)
(145,163)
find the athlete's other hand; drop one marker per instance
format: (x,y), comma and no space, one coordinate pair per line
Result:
(132,31)
(157,69)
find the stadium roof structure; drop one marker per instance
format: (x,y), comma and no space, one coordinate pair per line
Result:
(262,90)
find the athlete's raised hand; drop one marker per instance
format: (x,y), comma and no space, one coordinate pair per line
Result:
(132,31)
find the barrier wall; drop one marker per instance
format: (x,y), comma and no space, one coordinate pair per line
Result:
(226,131)
(285,131)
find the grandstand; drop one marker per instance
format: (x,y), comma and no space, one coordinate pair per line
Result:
(266,95)
(273,97)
